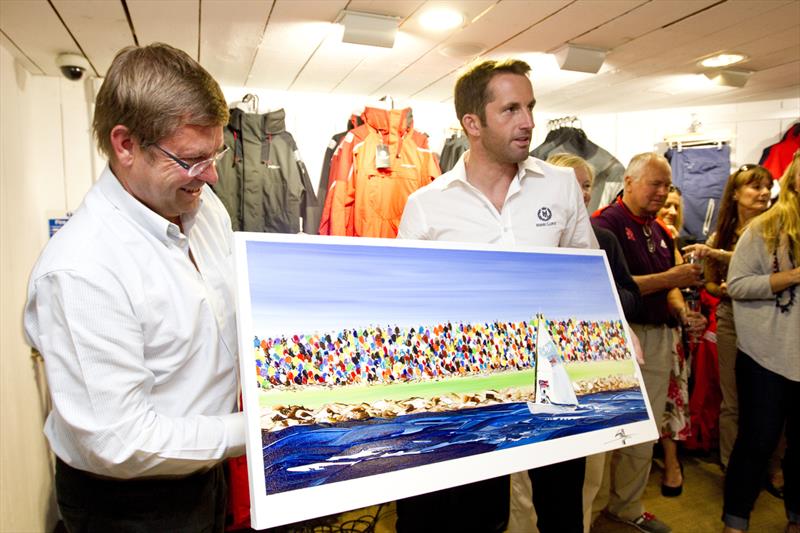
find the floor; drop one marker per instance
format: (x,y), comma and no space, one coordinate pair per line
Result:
(697,510)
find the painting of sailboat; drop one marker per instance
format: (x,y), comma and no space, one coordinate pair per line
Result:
(374,370)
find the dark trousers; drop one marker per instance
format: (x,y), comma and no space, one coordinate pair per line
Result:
(767,401)
(482,507)
(90,504)
(558,496)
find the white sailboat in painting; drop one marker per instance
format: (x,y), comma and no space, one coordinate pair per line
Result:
(554,392)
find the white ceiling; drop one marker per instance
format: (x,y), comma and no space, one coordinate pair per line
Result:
(654,45)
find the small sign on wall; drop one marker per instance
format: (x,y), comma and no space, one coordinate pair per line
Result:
(55,223)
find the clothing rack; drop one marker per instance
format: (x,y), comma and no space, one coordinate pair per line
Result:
(248,103)
(694,137)
(564,122)
(696,140)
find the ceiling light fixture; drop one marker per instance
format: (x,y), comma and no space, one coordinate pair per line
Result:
(368,28)
(441,19)
(729,77)
(722,60)
(580,58)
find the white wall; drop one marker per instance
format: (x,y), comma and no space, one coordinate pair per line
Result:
(40,115)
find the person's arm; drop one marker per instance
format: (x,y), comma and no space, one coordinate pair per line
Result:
(413,224)
(750,276)
(779,281)
(694,321)
(685,275)
(94,349)
(627,289)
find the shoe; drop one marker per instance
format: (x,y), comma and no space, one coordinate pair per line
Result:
(672,492)
(772,489)
(646,522)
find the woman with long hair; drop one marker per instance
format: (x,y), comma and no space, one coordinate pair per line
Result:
(746,196)
(762,282)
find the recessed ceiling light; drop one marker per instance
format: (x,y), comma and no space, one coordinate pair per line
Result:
(722,60)
(440,19)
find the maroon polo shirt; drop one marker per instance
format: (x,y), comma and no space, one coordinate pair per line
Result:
(630,232)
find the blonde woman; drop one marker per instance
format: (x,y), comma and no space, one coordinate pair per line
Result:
(763,283)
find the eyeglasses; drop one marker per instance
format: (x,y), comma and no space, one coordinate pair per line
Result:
(648,234)
(673,188)
(197,168)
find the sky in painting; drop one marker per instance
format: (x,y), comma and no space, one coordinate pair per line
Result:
(308,287)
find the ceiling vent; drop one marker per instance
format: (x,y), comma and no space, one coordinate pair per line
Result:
(368,28)
(580,58)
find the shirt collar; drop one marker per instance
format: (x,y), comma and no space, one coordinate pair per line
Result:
(158,226)
(529,168)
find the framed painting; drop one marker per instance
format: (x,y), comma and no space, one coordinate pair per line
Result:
(377,369)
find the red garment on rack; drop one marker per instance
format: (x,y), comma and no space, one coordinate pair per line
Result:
(364,200)
(778,157)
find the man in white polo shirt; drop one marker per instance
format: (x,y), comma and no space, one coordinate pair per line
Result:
(497,194)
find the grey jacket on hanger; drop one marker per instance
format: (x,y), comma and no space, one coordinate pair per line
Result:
(263,183)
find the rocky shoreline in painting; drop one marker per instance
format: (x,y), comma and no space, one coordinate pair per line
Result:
(278,417)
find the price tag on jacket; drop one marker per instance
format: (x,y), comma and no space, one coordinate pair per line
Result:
(382,156)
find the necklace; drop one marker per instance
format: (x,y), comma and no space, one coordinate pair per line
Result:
(784,307)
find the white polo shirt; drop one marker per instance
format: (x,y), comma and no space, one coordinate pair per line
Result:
(543,207)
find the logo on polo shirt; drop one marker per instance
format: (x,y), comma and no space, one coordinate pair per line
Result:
(544,214)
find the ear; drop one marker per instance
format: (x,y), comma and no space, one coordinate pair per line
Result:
(471,124)
(123,145)
(628,182)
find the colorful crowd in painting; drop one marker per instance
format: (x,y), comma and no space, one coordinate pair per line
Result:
(383,355)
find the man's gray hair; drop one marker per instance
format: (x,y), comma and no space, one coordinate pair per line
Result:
(640,161)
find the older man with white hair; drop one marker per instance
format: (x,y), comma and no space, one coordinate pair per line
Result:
(649,252)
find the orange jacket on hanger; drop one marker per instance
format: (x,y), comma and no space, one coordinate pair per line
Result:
(367,201)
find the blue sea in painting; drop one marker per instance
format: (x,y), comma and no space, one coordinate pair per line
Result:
(311,455)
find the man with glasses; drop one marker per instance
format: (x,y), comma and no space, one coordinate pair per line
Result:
(649,251)
(131,306)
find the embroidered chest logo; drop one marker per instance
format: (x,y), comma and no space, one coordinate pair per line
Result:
(629,234)
(544,214)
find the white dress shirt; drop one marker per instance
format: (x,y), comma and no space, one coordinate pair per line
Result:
(543,207)
(139,346)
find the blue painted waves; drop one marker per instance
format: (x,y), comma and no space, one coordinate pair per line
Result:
(307,456)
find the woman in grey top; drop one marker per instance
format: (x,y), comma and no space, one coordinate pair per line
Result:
(762,281)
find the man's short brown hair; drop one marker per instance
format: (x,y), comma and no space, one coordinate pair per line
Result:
(471,91)
(153,90)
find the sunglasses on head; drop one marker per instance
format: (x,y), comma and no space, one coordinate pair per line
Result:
(648,234)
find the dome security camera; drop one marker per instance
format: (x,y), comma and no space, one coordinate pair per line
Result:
(72,66)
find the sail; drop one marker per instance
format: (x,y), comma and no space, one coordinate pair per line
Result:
(552,382)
